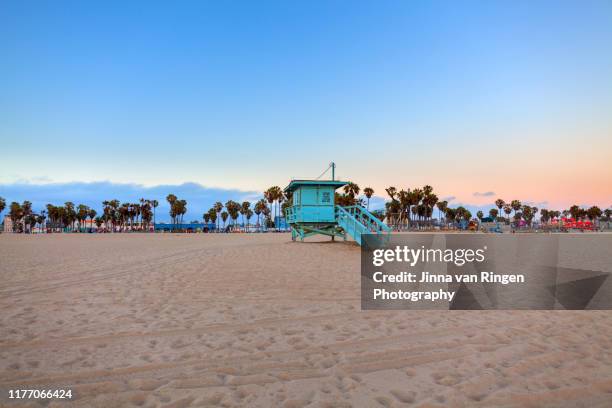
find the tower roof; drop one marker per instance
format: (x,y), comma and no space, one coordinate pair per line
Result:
(295,184)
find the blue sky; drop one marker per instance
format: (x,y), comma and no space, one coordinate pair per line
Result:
(468,96)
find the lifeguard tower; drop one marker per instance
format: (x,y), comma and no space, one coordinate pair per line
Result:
(313,211)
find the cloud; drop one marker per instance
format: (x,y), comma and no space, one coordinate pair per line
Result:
(540,204)
(199,198)
(485,194)
(376,202)
(449,198)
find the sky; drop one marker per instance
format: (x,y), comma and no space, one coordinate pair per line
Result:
(480,99)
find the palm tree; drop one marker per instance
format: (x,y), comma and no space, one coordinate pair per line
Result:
(442,206)
(154,204)
(249,214)
(480,215)
(171,198)
(493,213)
(415,198)
(147,215)
(451,214)
(123,214)
(429,201)
(206,217)
(278,195)
(274,194)
(111,213)
(280,199)
(534,211)
(460,213)
(516,205)
(212,213)
(137,212)
(181,209)
(30,222)
(499,203)
(16,214)
(593,213)
(269,197)
(352,190)
(259,208)
(27,213)
(527,214)
(41,220)
(224,216)
(53,213)
(544,215)
(391,191)
(233,208)
(467,215)
(91,214)
(403,197)
(69,214)
(99,222)
(218,208)
(234,213)
(507,211)
(266,215)
(244,209)
(575,211)
(368,192)
(82,211)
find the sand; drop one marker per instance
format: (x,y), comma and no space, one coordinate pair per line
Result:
(256,320)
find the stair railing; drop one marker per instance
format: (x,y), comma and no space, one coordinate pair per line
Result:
(356,220)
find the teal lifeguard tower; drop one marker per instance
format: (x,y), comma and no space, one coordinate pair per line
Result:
(313,211)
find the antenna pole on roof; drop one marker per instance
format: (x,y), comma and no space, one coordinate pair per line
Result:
(333,167)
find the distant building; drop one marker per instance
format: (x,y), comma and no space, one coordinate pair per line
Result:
(280,223)
(8,224)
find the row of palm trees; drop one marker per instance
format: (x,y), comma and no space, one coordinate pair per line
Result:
(117,216)
(406,208)
(234,210)
(528,213)
(127,216)
(267,210)
(22,217)
(71,217)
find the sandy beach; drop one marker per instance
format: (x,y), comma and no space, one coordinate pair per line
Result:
(229,320)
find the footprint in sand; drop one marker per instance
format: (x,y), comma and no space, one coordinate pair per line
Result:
(294,340)
(407,397)
(147,358)
(328,327)
(328,362)
(384,401)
